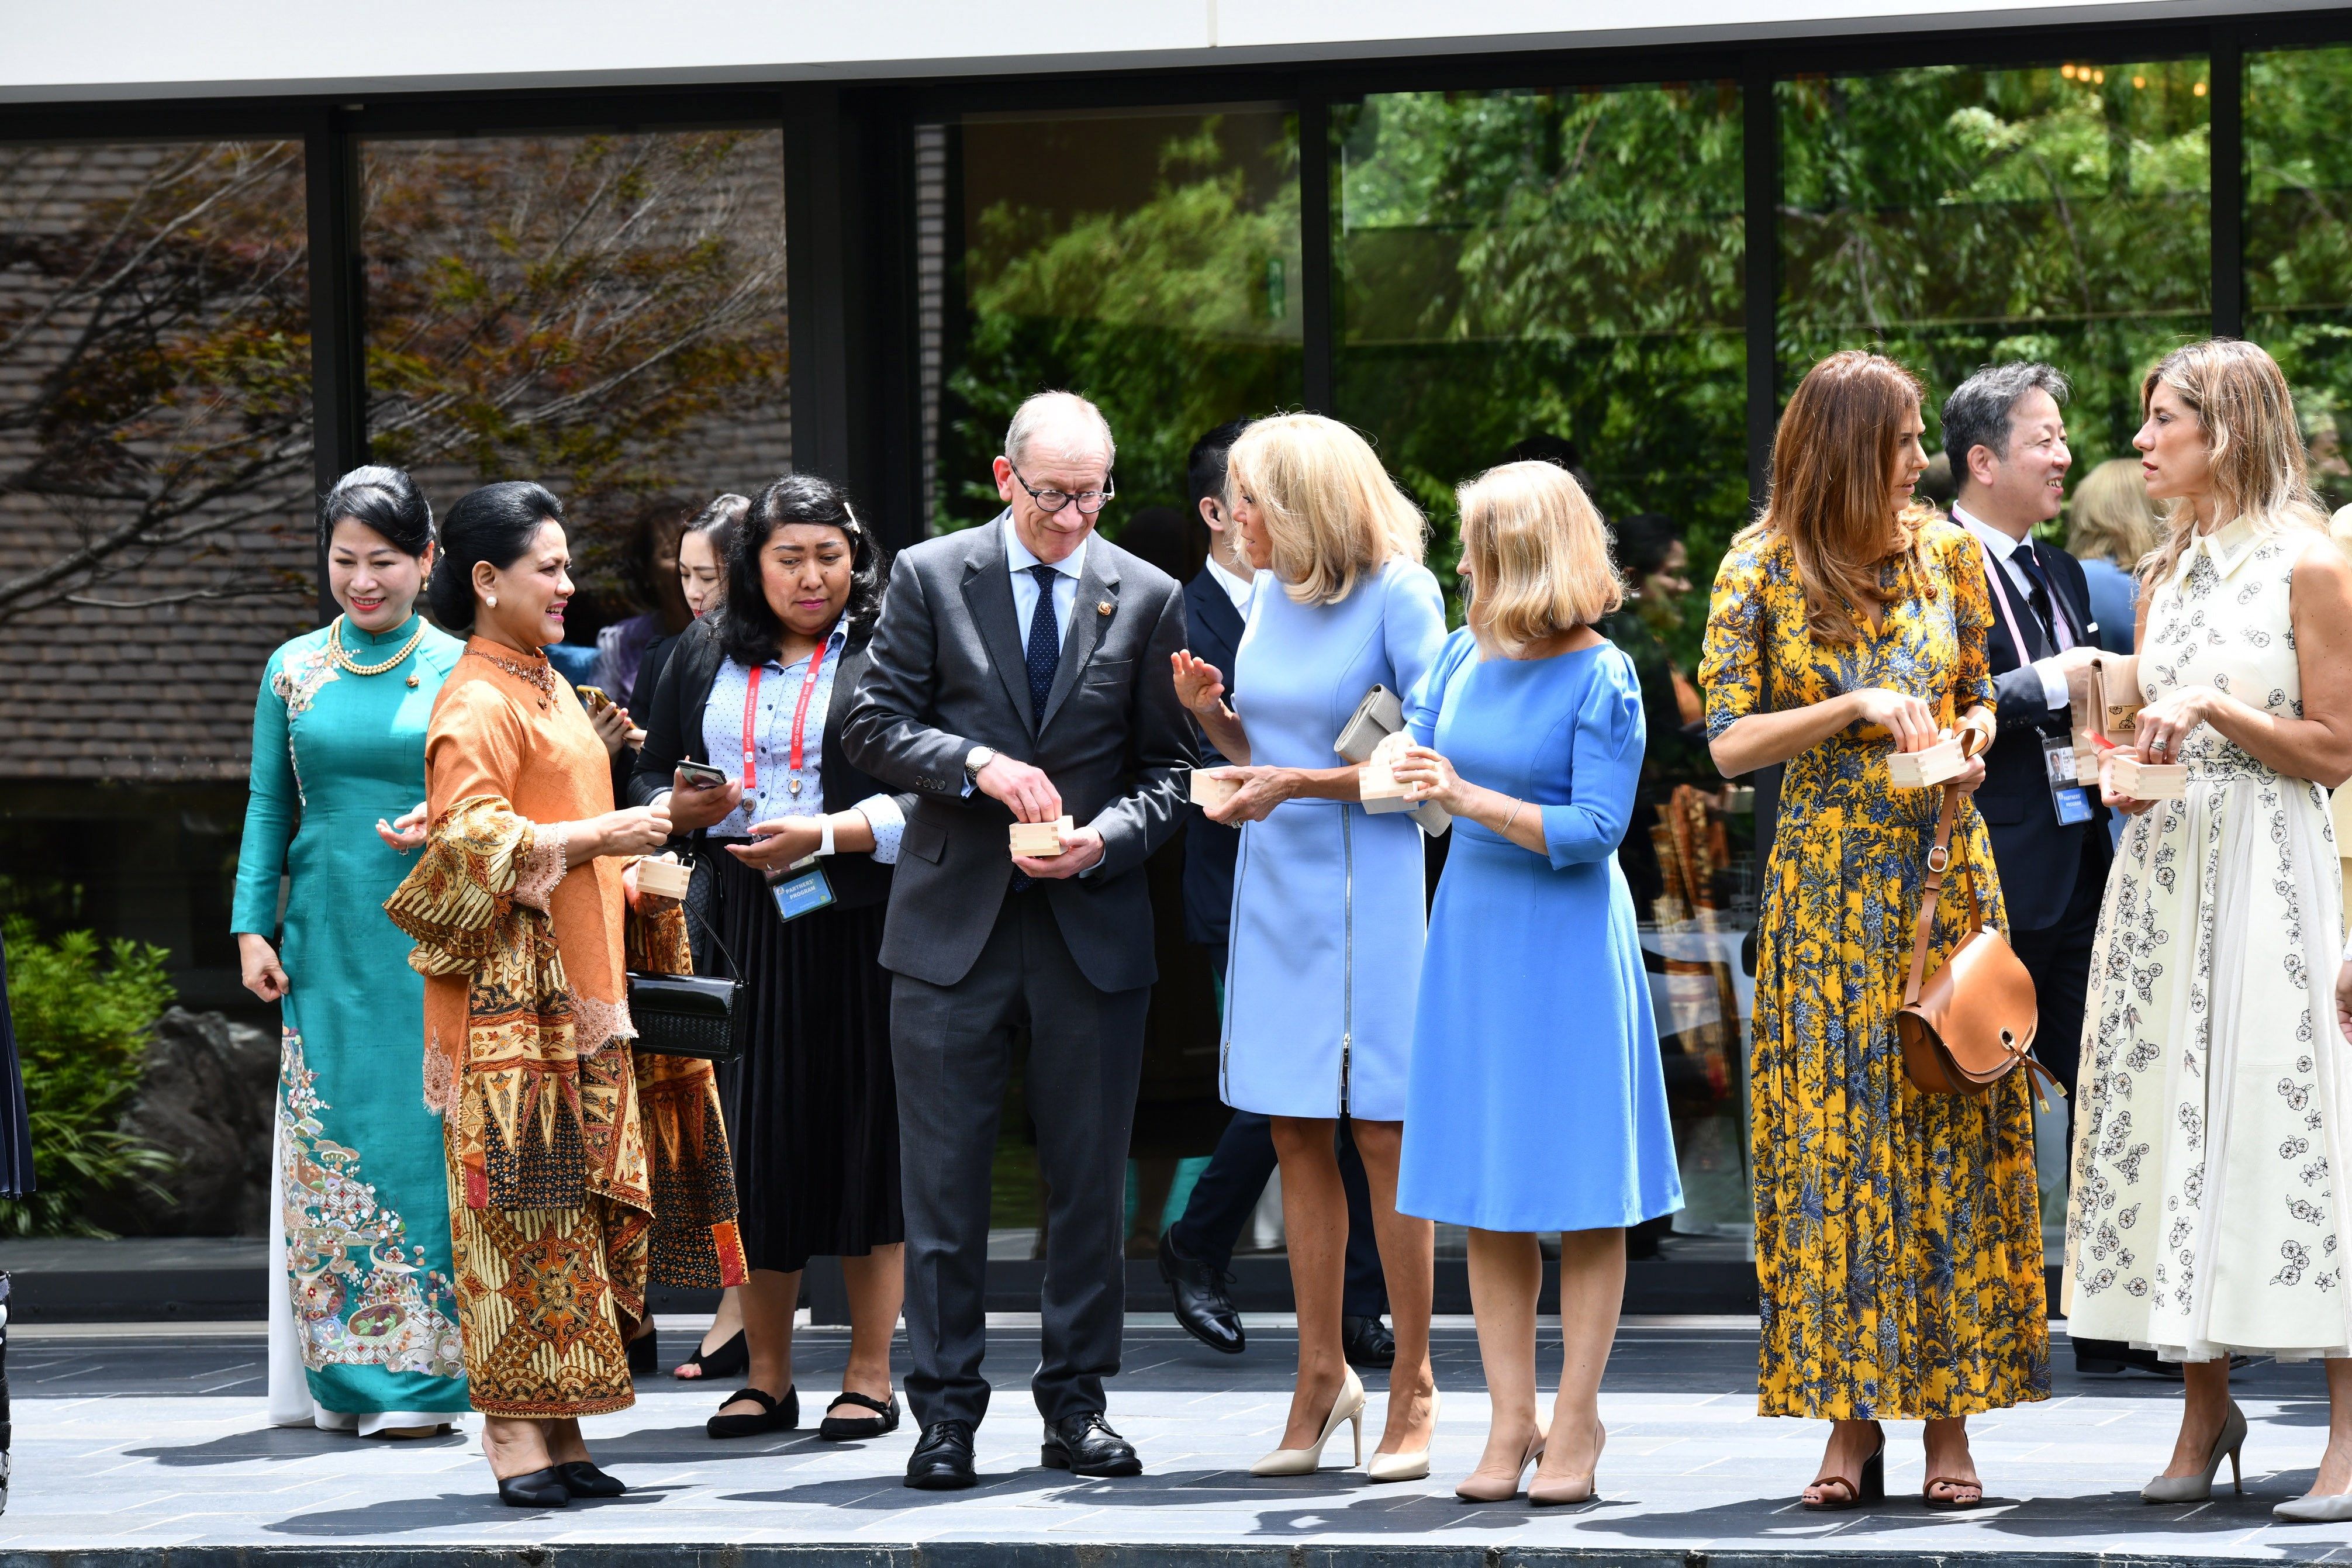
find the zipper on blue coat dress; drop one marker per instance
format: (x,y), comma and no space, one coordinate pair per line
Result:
(1347,950)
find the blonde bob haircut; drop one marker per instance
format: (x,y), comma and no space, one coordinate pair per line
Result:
(1330,511)
(2241,402)
(1537,556)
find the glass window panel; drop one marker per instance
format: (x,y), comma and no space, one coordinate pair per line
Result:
(155,539)
(1956,217)
(602,313)
(1536,272)
(1147,260)
(2298,240)
(1562,264)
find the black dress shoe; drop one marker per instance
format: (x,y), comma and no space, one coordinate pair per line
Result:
(535,1488)
(941,1461)
(775,1414)
(582,1478)
(1367,1343)
(1202,1305)
(1085,1445)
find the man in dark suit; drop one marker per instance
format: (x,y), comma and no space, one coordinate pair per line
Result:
(2007,437)
(1020,673)
(1195,1252)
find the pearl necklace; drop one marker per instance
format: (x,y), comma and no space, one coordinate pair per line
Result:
(344,660)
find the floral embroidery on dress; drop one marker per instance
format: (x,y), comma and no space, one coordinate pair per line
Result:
(363,1294)
(299,677)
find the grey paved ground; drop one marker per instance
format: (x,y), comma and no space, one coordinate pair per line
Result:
(156,1443)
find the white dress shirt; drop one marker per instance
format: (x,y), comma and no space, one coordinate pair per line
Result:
(1021,558)
(1237,586)
(2021,594)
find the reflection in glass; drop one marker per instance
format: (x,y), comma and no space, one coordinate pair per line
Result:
(1559,274)
(604,314)
(1147,260)
(155,541)
(1565,264)
(2298,241)
(1956,217)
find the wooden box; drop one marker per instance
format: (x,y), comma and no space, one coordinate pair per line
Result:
(2127,776)
(1209,790)
(1381,791)
(1041,840)
(1938,764)
(665,878)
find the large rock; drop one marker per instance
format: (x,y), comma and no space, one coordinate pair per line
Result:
(207,1098)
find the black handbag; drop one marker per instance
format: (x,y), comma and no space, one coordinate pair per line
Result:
(699,1015)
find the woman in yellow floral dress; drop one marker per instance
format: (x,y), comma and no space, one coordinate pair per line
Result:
(1898,1237)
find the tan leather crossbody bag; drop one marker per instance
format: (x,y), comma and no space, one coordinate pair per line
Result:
(1971,1024)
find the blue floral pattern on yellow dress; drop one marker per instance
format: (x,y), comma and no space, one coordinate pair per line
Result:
(1898,1234)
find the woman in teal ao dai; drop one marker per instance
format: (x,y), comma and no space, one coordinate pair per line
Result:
(362,1314)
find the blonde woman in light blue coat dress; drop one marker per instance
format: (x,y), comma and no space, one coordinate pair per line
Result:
(1328,899)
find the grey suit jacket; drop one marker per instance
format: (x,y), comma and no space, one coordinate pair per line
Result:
(945,673)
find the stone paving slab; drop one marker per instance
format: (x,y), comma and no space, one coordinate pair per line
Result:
(150,1451)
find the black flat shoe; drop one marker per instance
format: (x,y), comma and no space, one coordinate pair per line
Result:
(851,1428)
(1085,1445)
(775,1415)
(582,1478)
(728,1361)
(1202,1309)
(1367,1343)
(535,1488)
(941,1461)
(644,1354)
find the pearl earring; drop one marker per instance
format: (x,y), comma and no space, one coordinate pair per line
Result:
(494,601)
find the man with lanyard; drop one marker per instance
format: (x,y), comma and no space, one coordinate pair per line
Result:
(2008,442)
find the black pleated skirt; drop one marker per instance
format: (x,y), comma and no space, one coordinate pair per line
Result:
(811,1108)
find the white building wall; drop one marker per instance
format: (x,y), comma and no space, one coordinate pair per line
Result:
(85,49)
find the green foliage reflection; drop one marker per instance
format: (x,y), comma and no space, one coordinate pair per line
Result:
(1954,217)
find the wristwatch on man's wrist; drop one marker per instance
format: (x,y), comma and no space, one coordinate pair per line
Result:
(976,758)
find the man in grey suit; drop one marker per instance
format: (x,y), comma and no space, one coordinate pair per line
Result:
(1020,673)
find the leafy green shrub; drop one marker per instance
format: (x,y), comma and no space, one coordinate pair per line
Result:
(82,1028)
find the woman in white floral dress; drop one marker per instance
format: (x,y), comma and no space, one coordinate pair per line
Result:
(2217,1094)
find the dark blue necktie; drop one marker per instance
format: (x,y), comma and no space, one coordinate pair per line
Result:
(1045,644)
(2045,609)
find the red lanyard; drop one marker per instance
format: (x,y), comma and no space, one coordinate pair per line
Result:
(799,720)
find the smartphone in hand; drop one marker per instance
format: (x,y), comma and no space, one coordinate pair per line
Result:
(703,775)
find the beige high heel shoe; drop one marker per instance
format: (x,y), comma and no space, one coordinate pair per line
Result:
(1411,1464)
(1348,1407)
(1569,1489)
(1492,1490)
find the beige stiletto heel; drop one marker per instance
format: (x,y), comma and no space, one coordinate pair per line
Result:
(1472,1490)
(1411,1464)
(1569,1489)
(1349,1407)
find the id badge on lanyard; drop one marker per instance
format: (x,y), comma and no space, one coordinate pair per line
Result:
(2067,795)
(804,894)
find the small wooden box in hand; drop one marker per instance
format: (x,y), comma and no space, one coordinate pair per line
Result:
(2126,775)
(1937,764)
(1208,790)
(1380,790)
(1041,840)
(665,878)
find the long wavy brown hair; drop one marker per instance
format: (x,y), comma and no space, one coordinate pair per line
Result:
(1834,467)
(2241,398)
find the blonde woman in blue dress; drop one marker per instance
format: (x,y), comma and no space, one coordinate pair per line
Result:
(1327,899)
(1536,1100)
